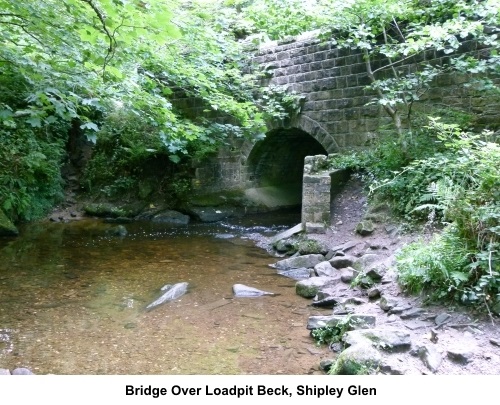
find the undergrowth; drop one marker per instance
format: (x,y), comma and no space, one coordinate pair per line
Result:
(449,178)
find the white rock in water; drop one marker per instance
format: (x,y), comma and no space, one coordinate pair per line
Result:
(172,292)
(241,290)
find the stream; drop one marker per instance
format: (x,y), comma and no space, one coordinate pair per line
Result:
(73,298)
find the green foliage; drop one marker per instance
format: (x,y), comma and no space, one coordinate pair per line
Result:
(30,180)
(448,177)
(113,68)
(458,187)
(392,33)
(332,334)
(281,19)
(326,335)
(385,157)
(279,103)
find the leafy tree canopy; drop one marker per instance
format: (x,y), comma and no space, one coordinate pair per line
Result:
(82,59)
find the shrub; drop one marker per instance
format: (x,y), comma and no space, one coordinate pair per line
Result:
(461,188)
(30,179)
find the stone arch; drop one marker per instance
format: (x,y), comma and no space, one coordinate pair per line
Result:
(302,123)
(273,167)
(279,158)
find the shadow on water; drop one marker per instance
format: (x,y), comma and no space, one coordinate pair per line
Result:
(73,298)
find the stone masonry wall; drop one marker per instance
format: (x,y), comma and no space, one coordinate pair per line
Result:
(316,187)
(337,111)
(318,184)
(333,82)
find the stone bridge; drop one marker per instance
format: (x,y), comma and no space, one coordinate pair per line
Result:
(336,115)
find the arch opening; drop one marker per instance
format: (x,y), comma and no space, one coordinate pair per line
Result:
(275,164)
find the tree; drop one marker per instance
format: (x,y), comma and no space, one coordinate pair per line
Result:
(96,63)
(392,34)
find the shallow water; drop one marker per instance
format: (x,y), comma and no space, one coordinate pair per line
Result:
(73,298)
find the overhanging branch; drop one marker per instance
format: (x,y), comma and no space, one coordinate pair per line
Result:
(111,38)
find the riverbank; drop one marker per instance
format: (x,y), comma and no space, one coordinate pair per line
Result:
(402,334)
(81,269)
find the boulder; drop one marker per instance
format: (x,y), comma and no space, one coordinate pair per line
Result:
(430,357)
(442,318)
(373,293)
(376,272)
(312,246)
(326,299)
(340,262)
(287,246)
(389,339)
(393,366)
(357,359)
(171,217)
(387,302)
(412,313)
(332,295)
(325,269)
(309,288)
(348,274)
(460,354)
(365,261)
(299,261)
(365,228)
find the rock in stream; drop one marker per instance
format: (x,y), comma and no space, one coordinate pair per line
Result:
(172,292)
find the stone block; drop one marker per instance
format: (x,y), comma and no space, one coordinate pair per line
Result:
(312,227)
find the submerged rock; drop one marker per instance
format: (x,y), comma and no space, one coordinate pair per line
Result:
(172,292)
(214,214)
(243,291)
(118,230)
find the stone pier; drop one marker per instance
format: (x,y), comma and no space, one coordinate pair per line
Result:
(319,183)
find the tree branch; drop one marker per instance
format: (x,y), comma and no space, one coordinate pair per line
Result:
(112,41)
(393,113)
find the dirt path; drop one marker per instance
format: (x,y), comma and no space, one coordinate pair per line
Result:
(462,340)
